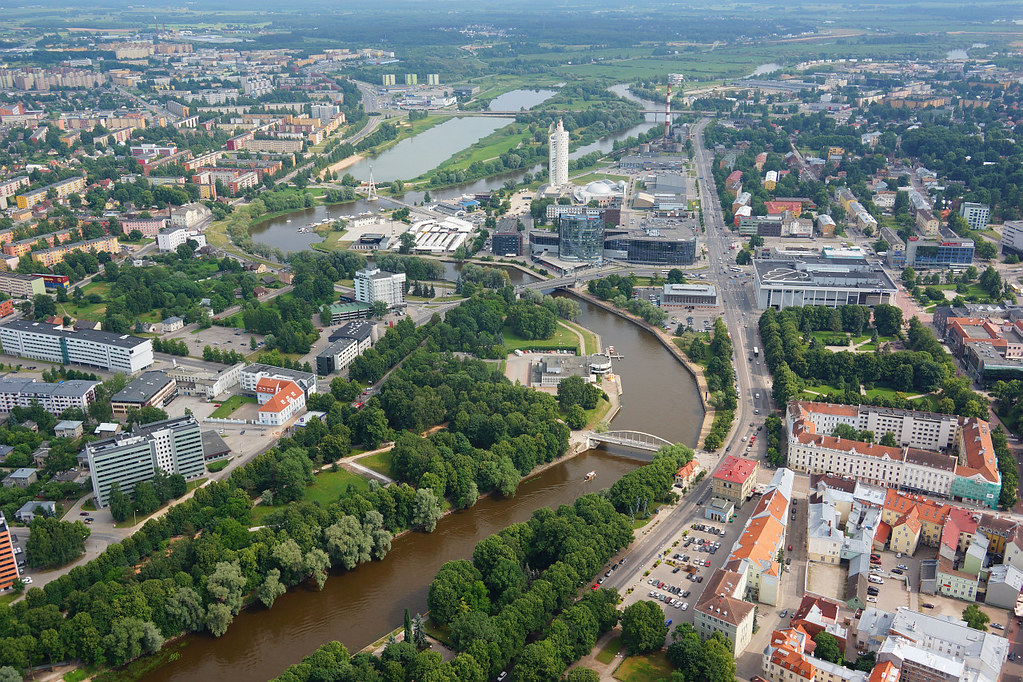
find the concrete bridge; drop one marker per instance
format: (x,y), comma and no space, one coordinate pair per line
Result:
(630,439)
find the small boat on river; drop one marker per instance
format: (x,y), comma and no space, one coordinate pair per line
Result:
(590,476)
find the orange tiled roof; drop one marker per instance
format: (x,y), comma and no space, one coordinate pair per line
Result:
(978,451)
(911,520)
(289,392)
(884,672)
(928,510)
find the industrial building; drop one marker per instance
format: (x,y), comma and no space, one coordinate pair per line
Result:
(172,445)
(440,236)
(150,389)
(373,284)
(104,350)
(831,282)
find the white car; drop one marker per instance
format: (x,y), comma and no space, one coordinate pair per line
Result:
(872,600)
(27,579)
(685,606)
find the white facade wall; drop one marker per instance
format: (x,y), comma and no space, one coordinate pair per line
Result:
(558,156)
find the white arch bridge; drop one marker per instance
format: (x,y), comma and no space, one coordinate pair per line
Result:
(629,439)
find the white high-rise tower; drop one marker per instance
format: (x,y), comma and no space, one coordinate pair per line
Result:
(558,150)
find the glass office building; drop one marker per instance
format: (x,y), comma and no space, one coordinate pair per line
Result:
(581,238)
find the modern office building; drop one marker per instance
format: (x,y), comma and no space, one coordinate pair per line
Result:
(251,374)
(373,284)
(581,238)
(831,282)
(16,285)
(336,357)
(173,446)
(8,561)
(1012,237)
(658,241)
(104,350)
(923,252)
(54,398)
(360,331)
(977,215)
(150,389)
(507,244)
(558,155)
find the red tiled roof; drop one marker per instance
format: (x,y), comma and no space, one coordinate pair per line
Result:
(736,469)
(884,672)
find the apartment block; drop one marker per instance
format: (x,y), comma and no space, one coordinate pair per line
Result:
(52,256)
(54,398)
(104,350)
(8,561)
(173,446)
(250,376)
(939,454)
(203,382)
(17,285)
(62,189)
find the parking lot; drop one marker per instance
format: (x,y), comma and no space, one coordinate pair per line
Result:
(708,543)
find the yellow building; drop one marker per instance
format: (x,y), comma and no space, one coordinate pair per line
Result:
(906,533)
(62,188)
(50,257)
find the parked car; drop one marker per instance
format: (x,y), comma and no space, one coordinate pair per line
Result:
(785,613)
(27,579)
(872,600)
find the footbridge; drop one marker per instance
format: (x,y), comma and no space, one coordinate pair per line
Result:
(629,439)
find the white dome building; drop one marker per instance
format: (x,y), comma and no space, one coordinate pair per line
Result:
(604,192)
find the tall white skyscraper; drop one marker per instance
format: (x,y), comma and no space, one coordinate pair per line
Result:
(558,150)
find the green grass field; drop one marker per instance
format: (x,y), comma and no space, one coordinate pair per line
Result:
(607,654)
(592,347)
(380,463)
(230,405)
(330,484)
(647,668)
(563,338)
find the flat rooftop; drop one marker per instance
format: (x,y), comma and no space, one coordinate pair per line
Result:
(121,340)
(142,388)
(816,271)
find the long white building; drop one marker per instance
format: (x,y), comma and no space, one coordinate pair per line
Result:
(936,454)
(172,445)
(104,350)
(831,282)
(54,398)
(558,155)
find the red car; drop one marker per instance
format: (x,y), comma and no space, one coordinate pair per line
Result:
(707,562)
(595,586)
(790,548)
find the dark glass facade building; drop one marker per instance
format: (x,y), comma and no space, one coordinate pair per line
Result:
(581,238)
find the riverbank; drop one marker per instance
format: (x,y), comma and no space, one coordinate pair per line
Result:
(341,165)
(695,370)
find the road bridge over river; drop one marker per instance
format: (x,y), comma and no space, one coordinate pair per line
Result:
(630,439)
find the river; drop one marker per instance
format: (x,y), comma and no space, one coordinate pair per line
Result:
(279,233)
(360,606)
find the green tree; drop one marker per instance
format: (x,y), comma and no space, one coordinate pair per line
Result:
(975,618)
(271,588)
(888,439)
(54,543)
(887,319)
(426,510)
(643,627)
(575,417)
(827,647)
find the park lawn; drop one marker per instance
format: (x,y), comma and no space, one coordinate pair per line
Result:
(592,347)
(645,668)
(380,463)
(328,486)
(505,139)
(333,242)
(230,405)
(563,338)
(823,389)
(607,654)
